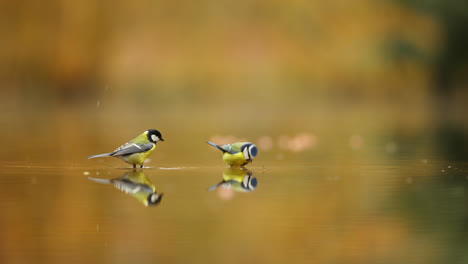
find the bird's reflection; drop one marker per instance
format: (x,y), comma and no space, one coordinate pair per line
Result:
(136,184)
(237,179)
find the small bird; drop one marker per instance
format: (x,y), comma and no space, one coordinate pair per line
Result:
(237,154)
(136,184)
(239,180)
(137,150)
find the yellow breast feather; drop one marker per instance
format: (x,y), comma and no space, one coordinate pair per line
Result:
(236,159)
(139,158)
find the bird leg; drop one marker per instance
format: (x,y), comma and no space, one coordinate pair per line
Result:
(134,166)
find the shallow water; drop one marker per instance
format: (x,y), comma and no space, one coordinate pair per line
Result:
(402,211)
(341,187)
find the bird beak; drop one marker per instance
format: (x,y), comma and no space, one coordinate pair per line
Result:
(161,139)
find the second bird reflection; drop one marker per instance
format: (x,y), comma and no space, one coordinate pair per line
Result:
(136,184)
(240,180)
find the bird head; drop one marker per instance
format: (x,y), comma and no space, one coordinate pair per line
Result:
(154,135)
(249,183)
(154,199)
(250,151)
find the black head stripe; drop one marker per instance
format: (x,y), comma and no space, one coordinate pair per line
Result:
(245,146)
(151,199)
(153,132)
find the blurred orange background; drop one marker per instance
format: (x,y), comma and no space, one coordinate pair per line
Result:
(327,85)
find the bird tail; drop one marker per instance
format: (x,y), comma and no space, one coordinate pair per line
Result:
(102,181)
(99,156)
(216,146)
(214,186)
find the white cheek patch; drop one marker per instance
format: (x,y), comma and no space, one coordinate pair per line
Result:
(245,181)
(246,153)
(154,138)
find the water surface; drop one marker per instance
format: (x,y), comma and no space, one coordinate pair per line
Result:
(401,211)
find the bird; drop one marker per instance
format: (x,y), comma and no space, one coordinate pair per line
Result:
(137,150)
(237,154)
(136,184)
(239,180)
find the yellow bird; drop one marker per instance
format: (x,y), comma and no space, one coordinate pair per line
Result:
(137,150)
(240,180)
(237,154)
(136,184)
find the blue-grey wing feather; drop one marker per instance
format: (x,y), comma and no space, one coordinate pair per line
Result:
(227,148)
(128,186)
(223,148)
(131,148)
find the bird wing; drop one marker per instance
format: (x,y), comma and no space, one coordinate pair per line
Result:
(215,186)
(137,177)
(223,148)
(131,148)
(127,186)
(99,180)
(237,147)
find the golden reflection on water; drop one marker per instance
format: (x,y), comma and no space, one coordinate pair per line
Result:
(337,188)
(328,212)
(135,184)
(234,180)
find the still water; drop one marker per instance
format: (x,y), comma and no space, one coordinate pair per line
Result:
(399,211)
(326,187)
